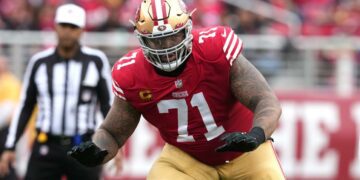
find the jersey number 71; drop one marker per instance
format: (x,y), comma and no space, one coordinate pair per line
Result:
(197,101)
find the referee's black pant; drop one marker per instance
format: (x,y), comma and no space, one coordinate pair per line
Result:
(49,161)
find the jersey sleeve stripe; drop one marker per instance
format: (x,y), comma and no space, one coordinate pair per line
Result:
(117,88)
(228,41)
(118,91)
(120,96)
(234,41)
(237,52)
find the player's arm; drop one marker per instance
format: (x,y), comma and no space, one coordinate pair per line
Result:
(117,127)
(252,90)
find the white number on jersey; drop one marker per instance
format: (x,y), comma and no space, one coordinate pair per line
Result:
(207,34)
(198,100)
(123,62)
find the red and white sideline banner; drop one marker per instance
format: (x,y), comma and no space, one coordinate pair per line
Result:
(318,138)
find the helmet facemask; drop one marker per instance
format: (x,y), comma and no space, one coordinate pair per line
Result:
(168,58)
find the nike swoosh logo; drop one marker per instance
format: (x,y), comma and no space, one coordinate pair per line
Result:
(224,34)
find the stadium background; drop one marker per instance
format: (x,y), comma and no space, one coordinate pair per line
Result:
(309,51)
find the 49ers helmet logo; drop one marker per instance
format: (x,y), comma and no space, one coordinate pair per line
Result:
(161,28)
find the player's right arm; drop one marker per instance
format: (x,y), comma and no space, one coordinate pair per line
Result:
(122,118)
(117,127)
(119,123)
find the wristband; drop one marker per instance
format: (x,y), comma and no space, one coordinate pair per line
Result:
(258,133)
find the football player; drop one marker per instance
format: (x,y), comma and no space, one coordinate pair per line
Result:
(212,107)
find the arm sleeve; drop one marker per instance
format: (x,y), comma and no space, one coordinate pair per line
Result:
(104,86)
(122,73)
(25,108)
(232,45)
(218,43)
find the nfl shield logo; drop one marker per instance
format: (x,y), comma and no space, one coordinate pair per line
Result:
(178,83)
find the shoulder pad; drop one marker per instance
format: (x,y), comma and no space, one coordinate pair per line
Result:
(216,43)
(123,72)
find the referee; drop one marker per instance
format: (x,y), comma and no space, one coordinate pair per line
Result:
(69,83)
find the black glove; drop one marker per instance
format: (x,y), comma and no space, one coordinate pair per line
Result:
(242,141)
(88,154)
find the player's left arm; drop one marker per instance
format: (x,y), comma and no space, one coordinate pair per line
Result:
(251,89)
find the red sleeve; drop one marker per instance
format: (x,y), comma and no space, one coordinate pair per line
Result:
(117,90)
(232,44)
(122,77)
(218,43)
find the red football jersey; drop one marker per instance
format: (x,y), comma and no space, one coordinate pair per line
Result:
(192,110)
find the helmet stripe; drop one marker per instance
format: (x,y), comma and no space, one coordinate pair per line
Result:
(153,8)
(163,4)
(158,6)
(159,12)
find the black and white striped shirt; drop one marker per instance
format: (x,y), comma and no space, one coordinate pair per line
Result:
(67,91)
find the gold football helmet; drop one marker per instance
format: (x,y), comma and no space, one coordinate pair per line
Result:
(159,21)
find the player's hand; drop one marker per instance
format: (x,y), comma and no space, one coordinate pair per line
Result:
(88,154)
(7,160)
(242,141)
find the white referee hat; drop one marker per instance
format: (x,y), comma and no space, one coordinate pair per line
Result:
(71,14)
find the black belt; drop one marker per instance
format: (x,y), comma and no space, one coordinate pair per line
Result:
(63,140)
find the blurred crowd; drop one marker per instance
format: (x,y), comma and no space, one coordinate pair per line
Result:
(320,17)
(315,18)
